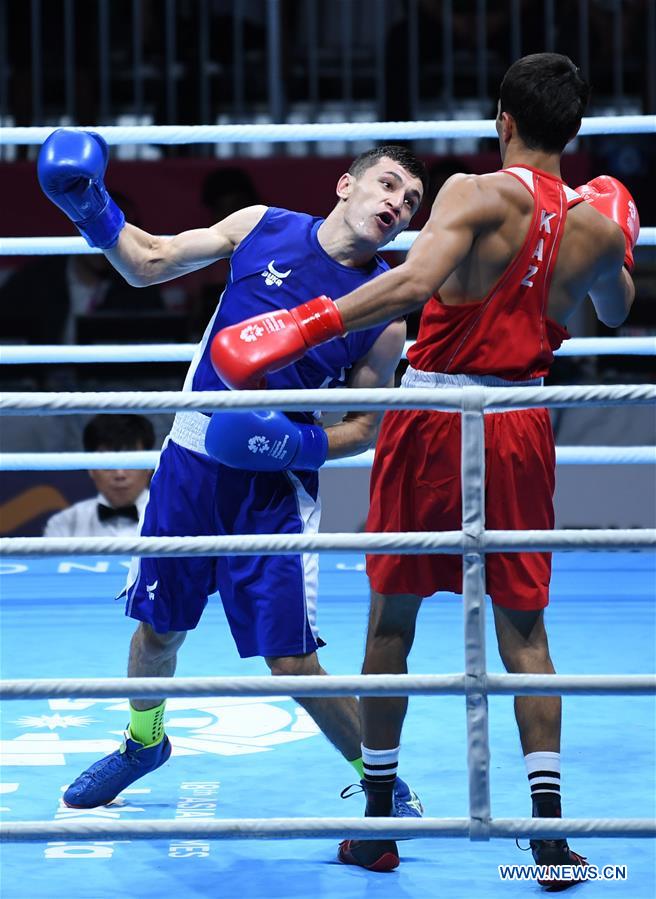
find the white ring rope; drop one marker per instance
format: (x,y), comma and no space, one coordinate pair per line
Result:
(184,352)
(313,828)
(331,685)
(319,131)
(335,685)
(399,543)
(59,246)
(65,461)
(449,399)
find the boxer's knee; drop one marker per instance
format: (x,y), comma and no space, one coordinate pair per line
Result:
(155,646)
(392,620)
(522,640)
(280,666)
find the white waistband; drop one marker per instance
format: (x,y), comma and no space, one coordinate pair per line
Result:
(413,377)
(188,431)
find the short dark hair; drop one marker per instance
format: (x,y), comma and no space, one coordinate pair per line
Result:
(118,432)
(547,96)
(402,155)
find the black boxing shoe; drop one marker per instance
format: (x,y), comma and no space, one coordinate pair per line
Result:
(547,853)
(374,855)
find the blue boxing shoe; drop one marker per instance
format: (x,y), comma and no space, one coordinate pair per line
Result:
(405,802)
(106,778)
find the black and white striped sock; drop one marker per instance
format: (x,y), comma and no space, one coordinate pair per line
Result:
(380,765)
(543,769)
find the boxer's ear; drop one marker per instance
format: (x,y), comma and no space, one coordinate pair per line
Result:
(345,186)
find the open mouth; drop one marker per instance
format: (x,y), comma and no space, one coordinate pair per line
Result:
(386,219)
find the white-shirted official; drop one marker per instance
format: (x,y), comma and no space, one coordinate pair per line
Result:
(122,493)
(98,518)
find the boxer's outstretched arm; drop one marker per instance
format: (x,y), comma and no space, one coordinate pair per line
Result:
(144,259)
(461,209)
(71,170)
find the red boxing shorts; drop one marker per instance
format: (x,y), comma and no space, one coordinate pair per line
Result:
(415,486)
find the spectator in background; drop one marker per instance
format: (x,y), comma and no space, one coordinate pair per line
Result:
(224,191)
(122,493)
(44,301)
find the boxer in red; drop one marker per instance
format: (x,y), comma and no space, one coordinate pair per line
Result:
(501,265)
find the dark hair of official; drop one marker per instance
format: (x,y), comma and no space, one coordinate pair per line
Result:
(547,96)
(118,432)
(402,155)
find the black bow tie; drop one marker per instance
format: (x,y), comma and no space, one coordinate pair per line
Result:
(106,513)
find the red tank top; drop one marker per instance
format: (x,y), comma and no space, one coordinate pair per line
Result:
(507,333)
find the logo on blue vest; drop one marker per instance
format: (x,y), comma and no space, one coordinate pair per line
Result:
(272,276)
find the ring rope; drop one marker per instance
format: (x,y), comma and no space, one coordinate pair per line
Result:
(313,828)
(316,131)
(285,828)
(399,543)
(331,685)
(380,399)
(184,352)
(57,246)
(66,461)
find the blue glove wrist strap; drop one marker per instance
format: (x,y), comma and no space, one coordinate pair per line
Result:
(103,229)
(313,448)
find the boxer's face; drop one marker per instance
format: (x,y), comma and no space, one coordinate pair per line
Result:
(381,202)
(120,486)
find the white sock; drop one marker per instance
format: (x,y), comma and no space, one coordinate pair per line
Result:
(543,769)
(380,765)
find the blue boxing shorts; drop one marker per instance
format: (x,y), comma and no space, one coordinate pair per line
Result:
(269,601)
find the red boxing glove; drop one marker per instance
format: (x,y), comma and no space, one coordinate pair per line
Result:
(243,354)
(609,197)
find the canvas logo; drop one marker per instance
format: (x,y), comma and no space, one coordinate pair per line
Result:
(219,726)
(272,276)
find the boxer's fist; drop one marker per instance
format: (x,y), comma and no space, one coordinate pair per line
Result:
(609,197)
(264,441)
(71,167)
(244,353)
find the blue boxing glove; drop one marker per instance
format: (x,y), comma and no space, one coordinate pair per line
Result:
(71,167)
(264,441)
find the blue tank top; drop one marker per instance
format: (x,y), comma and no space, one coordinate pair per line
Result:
(277,266)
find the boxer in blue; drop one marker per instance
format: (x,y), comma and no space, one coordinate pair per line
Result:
(244,472)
